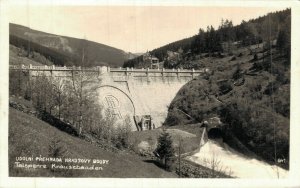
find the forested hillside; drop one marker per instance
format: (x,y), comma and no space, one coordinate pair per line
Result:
(61,50)
(223,40)
(249,85)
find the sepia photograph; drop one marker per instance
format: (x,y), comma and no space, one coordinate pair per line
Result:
(148,91)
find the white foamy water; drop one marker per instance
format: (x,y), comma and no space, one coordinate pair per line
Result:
(239,165)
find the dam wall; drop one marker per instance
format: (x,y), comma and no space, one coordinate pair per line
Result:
(126,92)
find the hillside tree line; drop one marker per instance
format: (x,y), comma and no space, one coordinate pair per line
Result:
(226,36)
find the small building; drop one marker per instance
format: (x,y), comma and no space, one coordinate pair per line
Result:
(157,65)
(151,60)
(144,122)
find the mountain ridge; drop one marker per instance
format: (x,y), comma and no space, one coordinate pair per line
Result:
(96,54)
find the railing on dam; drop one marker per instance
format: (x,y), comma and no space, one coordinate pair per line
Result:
(104,69)
(49,68)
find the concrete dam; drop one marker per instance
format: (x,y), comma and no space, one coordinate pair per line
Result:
(139,94)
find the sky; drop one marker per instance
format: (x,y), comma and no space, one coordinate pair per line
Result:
(130,28)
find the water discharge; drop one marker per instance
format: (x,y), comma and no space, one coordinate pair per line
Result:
(241,166)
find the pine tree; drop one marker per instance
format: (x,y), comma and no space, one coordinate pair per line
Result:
(165,150)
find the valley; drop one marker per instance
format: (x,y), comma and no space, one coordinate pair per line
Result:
(215,105)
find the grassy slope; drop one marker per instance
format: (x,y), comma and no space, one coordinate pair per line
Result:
(15,59)
(190,140)
(31,136)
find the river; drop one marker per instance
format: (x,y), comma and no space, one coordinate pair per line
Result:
(221,157)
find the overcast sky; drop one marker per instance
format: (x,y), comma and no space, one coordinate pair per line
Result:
(130,28)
